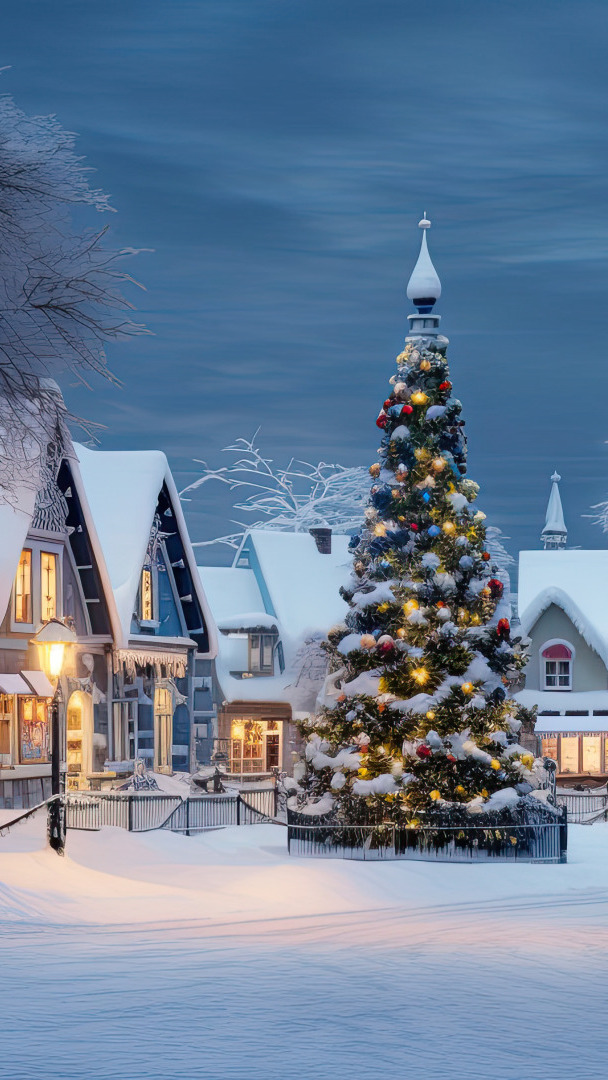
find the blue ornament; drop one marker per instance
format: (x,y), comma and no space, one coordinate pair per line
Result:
(434,530)
(426,497)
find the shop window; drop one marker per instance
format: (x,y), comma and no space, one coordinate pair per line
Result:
(569,754)
(48,585)
(23,588)
(33,729)
(549,747)
(592,753)
(261,648)
(5,724)
(255,746)
(556,661)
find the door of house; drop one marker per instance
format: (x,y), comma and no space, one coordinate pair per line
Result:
(163,729)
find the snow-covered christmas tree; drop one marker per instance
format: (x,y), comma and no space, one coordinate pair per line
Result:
(417,724)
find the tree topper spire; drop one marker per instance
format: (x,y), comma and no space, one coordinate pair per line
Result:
(424,289)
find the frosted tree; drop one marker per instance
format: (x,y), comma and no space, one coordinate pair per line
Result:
(417,721)
(293,498)
(61,296)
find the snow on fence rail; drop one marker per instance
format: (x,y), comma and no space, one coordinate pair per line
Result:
(584,807)
(543,842)
(142,812)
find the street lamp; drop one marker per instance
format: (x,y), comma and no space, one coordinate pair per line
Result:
(53,638)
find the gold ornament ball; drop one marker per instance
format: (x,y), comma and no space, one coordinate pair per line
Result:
(425,365)
(430,715)
(368,641)
(374,470)
(495,764)
(467,687)
(434,795)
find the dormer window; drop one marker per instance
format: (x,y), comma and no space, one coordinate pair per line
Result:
(261,649)
(556,666)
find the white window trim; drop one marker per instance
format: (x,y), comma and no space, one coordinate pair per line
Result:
(542,661)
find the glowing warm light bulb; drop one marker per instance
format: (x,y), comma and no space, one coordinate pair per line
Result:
(467,687)
(410,605)
(430,715)
(380,529)
(420,675)
(425,365)
(401,633)
(419,398)
(449,528)
(56,652)
(439,463)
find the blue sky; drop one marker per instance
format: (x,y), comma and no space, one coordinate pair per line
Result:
(277,156)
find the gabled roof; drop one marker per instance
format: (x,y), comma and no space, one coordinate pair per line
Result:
(290,584)
(302,584)
(572,580)
(122,490)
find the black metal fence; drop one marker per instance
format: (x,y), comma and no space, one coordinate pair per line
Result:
(543,841)
(141,812)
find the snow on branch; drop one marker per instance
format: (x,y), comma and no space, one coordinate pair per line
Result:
(61,293)
(292,499)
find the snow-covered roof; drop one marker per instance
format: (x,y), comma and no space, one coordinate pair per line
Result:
(122,489)
(290,584)
(14,523)
(230,590)
(574,581)
(303,584)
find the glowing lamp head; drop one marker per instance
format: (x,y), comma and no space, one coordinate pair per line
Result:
(52,640)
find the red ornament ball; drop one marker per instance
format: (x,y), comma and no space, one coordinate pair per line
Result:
(450,757)
(387,403)
(423,751)
(382,420)
(496,587)
(503,628)
(406,410)
(486,556)
(445,385)
(414,527)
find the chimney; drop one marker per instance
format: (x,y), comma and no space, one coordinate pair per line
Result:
(322,538)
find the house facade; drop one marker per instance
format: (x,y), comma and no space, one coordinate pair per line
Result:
(272,608)
(99,540)
(562,610)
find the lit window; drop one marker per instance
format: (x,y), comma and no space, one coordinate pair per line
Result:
(557,665)
(147,597)
(23,588)
(48,586)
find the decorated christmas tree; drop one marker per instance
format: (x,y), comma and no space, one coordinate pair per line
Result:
(417,723)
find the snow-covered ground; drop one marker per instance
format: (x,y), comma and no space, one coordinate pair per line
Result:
(217,956)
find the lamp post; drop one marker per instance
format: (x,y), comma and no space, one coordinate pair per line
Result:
(53,638)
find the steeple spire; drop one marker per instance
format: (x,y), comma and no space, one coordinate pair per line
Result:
(424,289)
(555,534)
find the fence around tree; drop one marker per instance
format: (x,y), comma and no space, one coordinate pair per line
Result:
(542,838)
(141,812)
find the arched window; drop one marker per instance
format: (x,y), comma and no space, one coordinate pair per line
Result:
(556,665)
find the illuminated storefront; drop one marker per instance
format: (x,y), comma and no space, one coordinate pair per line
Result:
(582,753)
(252,737)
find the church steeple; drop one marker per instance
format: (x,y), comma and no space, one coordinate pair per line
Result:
(424,289)
(555,534)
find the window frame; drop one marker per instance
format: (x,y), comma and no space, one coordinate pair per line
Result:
(543,661)
(38,546)
(32,591)
(154,622)
(266,642)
